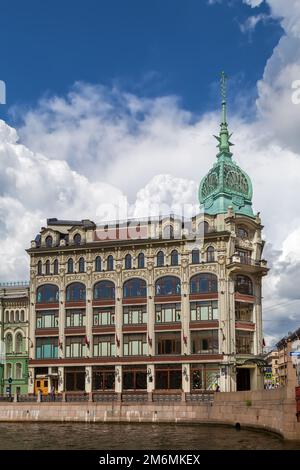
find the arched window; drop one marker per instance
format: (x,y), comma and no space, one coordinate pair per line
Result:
(174,258)
(39,268)
(203,228)
(9,343)
(168,232)
(22,316)
(81,265)
(167,285)
(98,263)
(8,374)
(19,343)
(49,241)
(70,265)
(17,316)
(195,256)
(77,239)
(160,258)
(210,254)
(7,316)
(48,293)
(75,292)
(12,316)
(110,263)
(104,290)
(47,267)
(242,232)
(141,260)
(134,288)
(243,285)
(55,266)
(203,283)
(18,371)
(128,261)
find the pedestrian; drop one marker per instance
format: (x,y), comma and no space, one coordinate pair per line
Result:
(52,393)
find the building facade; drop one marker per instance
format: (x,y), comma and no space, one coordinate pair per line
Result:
(14,335)
(163,305)
(288,349)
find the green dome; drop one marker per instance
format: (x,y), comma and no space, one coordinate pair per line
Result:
(226,184)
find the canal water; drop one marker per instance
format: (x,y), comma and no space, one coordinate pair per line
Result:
(100,436)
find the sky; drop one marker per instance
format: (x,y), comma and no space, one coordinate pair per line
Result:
(118,101)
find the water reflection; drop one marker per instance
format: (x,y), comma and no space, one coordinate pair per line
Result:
(134,436)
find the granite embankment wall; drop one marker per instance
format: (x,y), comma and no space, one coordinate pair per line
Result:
(271,410)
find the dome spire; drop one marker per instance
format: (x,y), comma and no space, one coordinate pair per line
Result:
(223,139)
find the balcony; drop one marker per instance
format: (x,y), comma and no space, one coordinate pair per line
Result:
(239,263)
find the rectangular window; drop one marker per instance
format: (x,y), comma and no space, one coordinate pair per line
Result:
(75,346)
(135,314)
(244,341)
(103,378)
(135,345)
(47,319)
(168,343)
(244,255)
(104,316)
(201,311)
(243,311)
(168,377)
(204,376)
(104,345)
(75,379)
(135,378)
(205,342)
(167,313)
(46,348)
(75,318)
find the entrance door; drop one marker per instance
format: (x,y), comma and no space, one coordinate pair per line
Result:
(41,385)
(242,379)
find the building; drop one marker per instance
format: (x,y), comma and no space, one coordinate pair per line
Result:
(164,305)
(271,374)
(14,330)
(289,365)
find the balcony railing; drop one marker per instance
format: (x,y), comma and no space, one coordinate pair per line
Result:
(247,261)
(15,284)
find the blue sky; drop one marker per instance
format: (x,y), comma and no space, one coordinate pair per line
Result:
(118,100)
(147,47)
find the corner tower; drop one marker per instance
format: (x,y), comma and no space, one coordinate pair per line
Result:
(226,184)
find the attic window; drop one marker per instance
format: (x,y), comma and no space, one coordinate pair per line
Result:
(77,239)
(49,241)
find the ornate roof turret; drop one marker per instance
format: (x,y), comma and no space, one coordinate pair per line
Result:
(225,184)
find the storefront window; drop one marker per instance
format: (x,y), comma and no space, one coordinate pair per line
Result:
(135,378)
(204,376)
(75,379)
(103,378)
(168,377)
